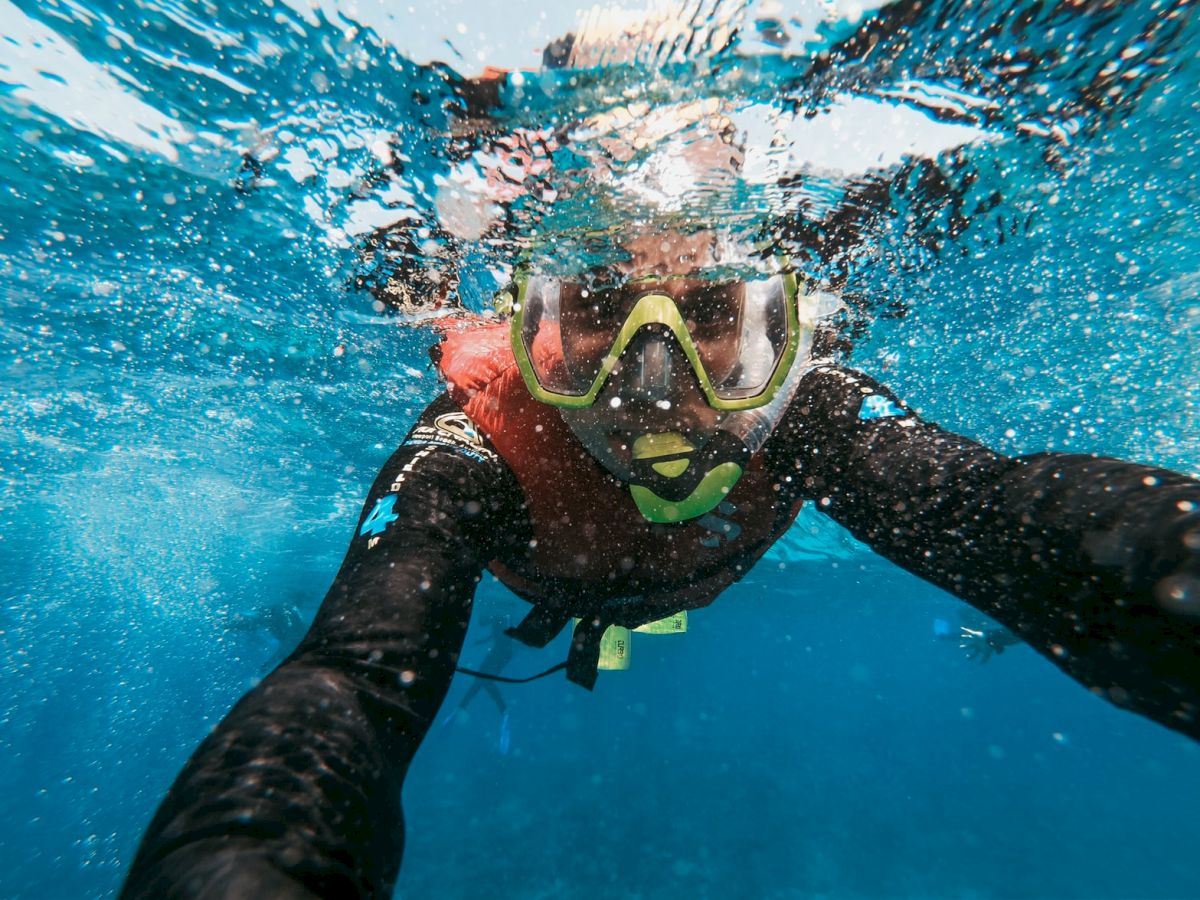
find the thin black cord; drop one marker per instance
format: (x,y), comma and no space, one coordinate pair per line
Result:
(490,677)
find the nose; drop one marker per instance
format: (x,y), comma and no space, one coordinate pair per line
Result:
(652,368)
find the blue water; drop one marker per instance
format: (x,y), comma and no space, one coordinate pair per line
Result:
(195,400)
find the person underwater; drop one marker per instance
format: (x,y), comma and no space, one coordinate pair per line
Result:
(281,624)
(500,653)
(620,446)
(978,638)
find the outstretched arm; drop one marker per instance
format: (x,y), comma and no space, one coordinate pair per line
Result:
(296,794)
(1095,562)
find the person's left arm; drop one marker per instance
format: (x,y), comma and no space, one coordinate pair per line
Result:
(1095,562)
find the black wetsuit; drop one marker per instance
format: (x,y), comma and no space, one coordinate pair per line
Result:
(1093,562)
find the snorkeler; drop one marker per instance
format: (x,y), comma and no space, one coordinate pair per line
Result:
(281,624)
(978,638)
(624,444)
(498,657)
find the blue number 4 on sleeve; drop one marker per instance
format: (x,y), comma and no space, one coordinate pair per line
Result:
(381,516)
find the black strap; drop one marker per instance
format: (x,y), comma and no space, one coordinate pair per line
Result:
(540,626)
(585,651)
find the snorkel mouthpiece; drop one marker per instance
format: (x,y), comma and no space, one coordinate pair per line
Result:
(657,446)
(676,483)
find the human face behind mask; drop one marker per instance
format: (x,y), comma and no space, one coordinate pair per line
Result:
(658,345)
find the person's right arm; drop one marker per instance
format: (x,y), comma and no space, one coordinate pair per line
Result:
(296,794)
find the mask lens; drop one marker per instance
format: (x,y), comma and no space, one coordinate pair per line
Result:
(567,331)
(744,353)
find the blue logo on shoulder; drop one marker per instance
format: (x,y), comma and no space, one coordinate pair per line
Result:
(878,406)
(381,516)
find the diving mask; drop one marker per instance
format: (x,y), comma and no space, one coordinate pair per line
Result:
(739,338)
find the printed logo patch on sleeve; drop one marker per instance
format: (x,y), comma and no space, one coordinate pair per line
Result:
(453,430)
(877,406)
(459,427)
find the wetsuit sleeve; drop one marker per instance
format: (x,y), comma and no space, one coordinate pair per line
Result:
(297,792)
(1095,562)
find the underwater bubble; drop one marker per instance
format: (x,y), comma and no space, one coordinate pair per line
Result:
(1179,593)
